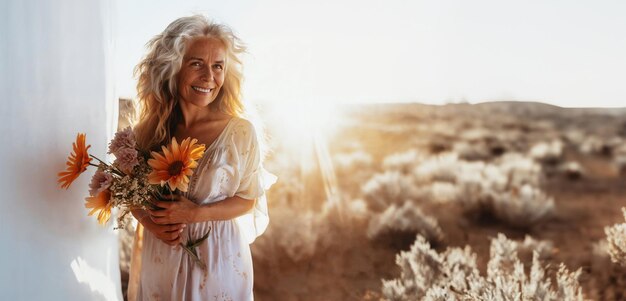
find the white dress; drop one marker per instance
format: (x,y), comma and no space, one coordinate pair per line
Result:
(230,166)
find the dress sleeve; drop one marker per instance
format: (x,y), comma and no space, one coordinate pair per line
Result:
(255,181)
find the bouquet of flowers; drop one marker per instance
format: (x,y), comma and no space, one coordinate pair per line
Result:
(135,177)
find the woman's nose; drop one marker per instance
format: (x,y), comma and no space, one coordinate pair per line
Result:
(207,74)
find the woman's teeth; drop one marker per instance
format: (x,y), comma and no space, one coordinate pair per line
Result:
(201,89)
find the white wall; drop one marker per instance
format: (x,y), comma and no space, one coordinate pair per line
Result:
(55,80)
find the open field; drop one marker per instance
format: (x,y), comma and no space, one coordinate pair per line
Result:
(343,210)
(456,174)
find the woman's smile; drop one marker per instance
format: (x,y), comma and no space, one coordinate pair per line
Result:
(202,90)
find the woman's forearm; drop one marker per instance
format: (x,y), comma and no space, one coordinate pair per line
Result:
(226,209)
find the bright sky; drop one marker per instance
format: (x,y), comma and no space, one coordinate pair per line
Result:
(565,52)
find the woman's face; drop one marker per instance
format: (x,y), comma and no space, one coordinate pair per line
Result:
(202,73)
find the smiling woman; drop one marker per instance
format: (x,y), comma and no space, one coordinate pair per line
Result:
(189,86)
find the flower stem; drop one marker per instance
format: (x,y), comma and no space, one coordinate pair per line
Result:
(194,256)
(113,168)
(191,246)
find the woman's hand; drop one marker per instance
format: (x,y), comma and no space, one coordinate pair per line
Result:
(178,209)
(169,234)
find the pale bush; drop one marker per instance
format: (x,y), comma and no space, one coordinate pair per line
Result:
(299,237)
(619,162)
(609,278)
(472,151)
(522,207)
(591,145)
(619,159)
(473,185)
(352,161)
(441,192)
(572,170)
(453,275)
(519,170)
(423,269)
(511,191)
(352,170)
(442,168)
(391,187)
(616,237)
(598,145)
(547,152)
(544,248)
(508,188)
(407,218)
(301,234)
(574,136)
(403,162)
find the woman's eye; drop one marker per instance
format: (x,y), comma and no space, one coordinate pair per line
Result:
(218,67)
(195,64)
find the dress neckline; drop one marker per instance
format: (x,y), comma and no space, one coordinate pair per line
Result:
(219,137)
(199,168)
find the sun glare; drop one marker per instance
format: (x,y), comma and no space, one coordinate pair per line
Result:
(302,132)
(298,127)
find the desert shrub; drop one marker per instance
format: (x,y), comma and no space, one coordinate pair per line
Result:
(596,145)
(423,269)
(549,153)
(591,145)
(574,136)
(440,192)
(349,162)
(473,151)
(572,170)
(609,278)
(453,275)
(301,234)
(352,170)
(390,187)
(545,249)
(437,144)
(442,168)
(619,159)
(473,185)
(407,218)
(616,237)
(402,162)
(295,238)
(508,189)
(523,206)
(520,170)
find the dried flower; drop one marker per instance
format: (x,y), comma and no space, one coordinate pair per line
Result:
(126,159)
(124,139)
(100,182)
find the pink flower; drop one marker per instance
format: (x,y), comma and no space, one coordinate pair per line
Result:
(126,159)
(100,182)
(124,139)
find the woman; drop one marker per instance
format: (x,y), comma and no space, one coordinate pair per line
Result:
(189,86)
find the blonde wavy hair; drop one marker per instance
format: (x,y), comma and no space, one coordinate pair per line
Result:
(157,89)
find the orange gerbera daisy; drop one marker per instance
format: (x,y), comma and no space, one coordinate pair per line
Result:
(176,164)
(77,162)
(101,202)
